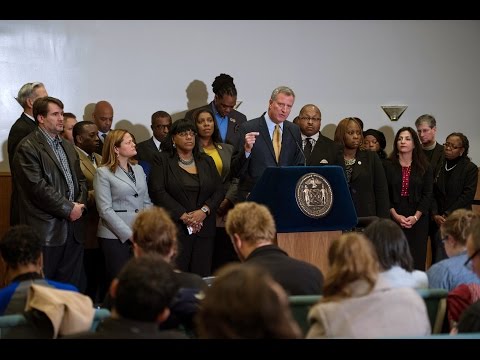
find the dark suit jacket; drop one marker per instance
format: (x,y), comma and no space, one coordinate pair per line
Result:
(460,190)
(296,277)
(21,128)
(86,165)
(43,202)
(419,188)
(438,157)
(235,119)
(165,187)
(146,150)
(249,170)
(326,152)
(368,186)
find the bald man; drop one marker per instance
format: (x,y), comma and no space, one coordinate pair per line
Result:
(318,149)
(103,118)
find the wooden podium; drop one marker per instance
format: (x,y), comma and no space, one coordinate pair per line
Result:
(305,237)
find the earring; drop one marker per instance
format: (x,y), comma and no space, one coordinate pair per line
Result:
(174,145)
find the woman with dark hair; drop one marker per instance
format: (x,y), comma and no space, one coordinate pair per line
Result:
(210,143)
(410,182)
(186,183)
(396,262)
(454,186)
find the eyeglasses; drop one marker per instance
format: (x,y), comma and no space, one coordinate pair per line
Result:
(186,133)
(306,118)
(451,146)
(468,263)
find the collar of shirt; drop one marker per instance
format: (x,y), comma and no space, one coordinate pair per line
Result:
(100,133)
(51,140)
(30,117)
(156,142)
(84,152)
(271,125)
(314,137)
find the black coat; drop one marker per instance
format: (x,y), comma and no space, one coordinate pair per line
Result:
(43,201)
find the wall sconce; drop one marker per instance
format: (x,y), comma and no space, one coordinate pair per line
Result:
(394,112)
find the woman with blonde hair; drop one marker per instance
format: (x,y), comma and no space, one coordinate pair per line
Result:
(120,193)
(356,304)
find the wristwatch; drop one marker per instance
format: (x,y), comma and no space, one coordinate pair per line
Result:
(205,209)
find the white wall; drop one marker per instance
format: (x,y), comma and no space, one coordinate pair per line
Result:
(347,68)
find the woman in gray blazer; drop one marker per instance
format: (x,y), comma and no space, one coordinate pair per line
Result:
(120,193)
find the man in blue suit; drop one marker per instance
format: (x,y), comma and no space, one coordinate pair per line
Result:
(255,151)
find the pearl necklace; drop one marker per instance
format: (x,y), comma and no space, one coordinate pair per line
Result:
(447,169)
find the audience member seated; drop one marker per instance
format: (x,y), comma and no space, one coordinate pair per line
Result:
(244,302)
(154,232)
(460,299)
(449,273)
(142,294)
(396,262)
(470,318)
(252,229)
(356,304)
(21,250)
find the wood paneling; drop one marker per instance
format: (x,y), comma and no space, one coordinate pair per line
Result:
(311,247)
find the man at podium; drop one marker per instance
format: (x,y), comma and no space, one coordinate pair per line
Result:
(267,141)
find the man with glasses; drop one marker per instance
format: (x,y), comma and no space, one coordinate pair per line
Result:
(266,141)
(318,149)
(146,150)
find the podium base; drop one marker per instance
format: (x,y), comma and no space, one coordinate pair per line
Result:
(311,247)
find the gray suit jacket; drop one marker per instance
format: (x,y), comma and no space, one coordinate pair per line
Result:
(119,200)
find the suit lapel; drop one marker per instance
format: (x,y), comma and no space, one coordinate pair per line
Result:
(86,162)
(120,174)
(152,144)
(175,170)
(49,151)
(265,133)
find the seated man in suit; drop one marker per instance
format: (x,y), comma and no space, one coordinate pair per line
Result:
(251,228)
(228,120)
(142,295)
(146,150)
(318,149)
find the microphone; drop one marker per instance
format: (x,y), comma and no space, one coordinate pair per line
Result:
(299,147)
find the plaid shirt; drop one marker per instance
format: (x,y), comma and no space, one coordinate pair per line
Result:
(56,145)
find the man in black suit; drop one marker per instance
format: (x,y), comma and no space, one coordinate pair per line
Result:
(228,119)
(103,118)
(146,150)
(53,193)
(24,125)
(427,130)
(255,151)
(251,228)
(318,149)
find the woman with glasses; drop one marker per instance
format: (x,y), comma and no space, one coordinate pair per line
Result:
(451,272)
(186,183)
(455,185)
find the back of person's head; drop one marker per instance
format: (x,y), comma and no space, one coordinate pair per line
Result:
(244,302)
(252,222)
(155,232)
(457,225)
(390,243)
(351,257)
(144,288)
(21,245)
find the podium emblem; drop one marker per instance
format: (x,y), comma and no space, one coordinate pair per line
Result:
(314,195)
